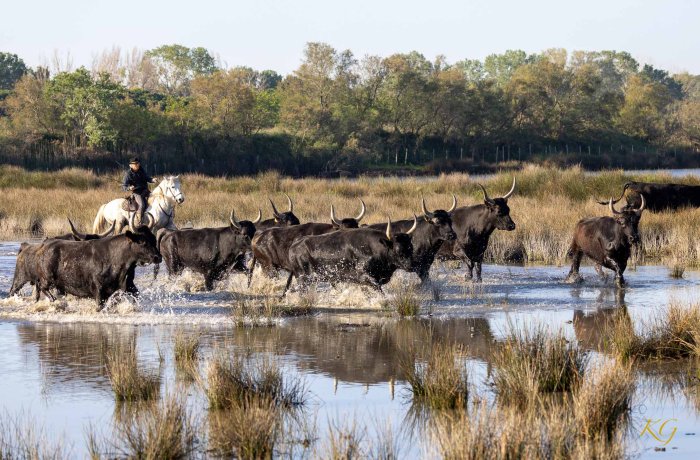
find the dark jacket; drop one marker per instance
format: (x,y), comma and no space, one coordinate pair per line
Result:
(139,180)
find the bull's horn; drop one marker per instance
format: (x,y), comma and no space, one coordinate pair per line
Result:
(234,222)
(363,210)
(624,189)
(77,234)
(643,205)
(151,221)
(132,216)
(274,209)
(612,207)
(388,229)
(109,230)
(289,200)
(454,204)
(415,225)
(487,199)
(259,218)
(333,219)
(512,189)
(427,213)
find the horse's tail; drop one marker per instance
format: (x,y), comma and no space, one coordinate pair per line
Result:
(100,224)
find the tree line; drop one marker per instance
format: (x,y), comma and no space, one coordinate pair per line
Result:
(182,110)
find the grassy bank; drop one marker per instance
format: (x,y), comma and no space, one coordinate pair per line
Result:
(546,206)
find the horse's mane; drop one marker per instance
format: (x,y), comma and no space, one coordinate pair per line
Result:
(158,192)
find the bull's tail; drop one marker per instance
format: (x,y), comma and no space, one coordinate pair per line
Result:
(100,224)
(19,279)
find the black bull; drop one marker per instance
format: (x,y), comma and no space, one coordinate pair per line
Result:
(271,246)
(474,226)
(363,256)
(95,268)
(214,252)
(659,197)
(432,230)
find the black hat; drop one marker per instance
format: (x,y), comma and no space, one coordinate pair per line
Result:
(133,160)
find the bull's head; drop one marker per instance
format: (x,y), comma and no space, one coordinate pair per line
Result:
(441,219)
(143,244)
(401,245)
(628,220)
(244,227)
(499,212)
(349,222)
(284,218)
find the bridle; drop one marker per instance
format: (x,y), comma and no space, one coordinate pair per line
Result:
(165,195)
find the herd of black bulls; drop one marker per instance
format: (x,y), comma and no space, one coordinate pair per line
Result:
(97,266)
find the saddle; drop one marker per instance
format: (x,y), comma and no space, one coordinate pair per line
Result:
(129,204)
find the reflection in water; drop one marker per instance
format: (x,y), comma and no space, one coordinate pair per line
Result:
(590,327)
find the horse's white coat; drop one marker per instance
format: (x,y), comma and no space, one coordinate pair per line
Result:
(159,214)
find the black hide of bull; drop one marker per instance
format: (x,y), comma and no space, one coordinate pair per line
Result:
(96,268)
(433,229)
(213,252)
(607,241)
(362,256)
(474,226)
(271,247)
(659,197)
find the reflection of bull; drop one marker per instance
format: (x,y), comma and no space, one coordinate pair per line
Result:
(659,197)
(590,328)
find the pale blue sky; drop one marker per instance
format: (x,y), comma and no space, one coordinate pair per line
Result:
(272,33)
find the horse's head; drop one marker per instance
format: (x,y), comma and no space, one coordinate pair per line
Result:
(171,189)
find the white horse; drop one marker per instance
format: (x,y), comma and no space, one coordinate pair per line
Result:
(159,214)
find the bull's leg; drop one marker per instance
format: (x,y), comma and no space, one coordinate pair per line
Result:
(574,276)
(287,284)
(252,269)
(470,269)
(130,285)
(619,279)
(36,292)
(424,275)
(477,267)
(209,281)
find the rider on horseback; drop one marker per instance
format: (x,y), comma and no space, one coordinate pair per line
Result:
(136,180)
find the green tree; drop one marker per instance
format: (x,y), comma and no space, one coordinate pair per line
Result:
(642,113)
(177,65)
(12,68)
(85,106)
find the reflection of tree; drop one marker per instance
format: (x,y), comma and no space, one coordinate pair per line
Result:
(72,354)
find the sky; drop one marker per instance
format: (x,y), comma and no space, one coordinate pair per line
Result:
(271,34)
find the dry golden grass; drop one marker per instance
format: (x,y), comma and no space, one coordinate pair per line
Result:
(129,382)
(674,333)
(440,381)
(37,204)
(532,362)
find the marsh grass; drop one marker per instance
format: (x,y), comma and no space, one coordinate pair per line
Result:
(406,300)
(673,334)
(162,430)
(22,438)
(231,378)
(263,310)
(440,381)
(248,429)
(532,362)
(129,382)
(604,399)
(506,432)
(186,347)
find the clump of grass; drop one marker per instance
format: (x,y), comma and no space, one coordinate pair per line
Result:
(21,438)
(163,430)
(231,378)
(676,269)
(130,383)
(307,301)
(441,381)
(186,347)
(532,362)
(345,440)
(673,334)
(604,399)
(406,301)
(261,312)
(248,429)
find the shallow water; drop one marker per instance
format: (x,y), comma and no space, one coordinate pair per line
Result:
(348,354)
